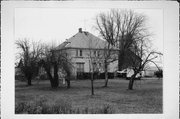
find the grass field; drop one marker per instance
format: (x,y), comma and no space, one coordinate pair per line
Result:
(145,98)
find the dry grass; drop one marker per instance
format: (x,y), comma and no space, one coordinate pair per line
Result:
(145,98)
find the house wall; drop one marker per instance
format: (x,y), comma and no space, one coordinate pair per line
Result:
(150,73)
(85,58)
(113,67)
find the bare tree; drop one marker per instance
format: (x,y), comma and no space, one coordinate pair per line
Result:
(118,27)
(105,24)
(65,63)
(30,55)
(108,55)
(95,58)
(146,56)
(50,66)
(126,30)
(52,61)
(67,66)
(134,43)
(92,64)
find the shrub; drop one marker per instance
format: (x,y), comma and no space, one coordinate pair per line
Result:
(20,107)
(105,109)
(61,106)
(85,75)
(37,106)
(159,73)
(43,77)
(108,109)
(20,77)
(33,108)
(40,106)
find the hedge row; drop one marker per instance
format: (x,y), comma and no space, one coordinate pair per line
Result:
(85,75)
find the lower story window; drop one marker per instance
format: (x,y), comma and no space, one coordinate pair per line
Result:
(80,67)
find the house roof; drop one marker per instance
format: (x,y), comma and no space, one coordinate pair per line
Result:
(82,39)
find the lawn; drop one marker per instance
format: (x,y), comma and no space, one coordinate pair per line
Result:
(145,98)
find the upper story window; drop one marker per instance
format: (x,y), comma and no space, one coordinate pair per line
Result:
(94,53)
(98,53)
(76,52)
(79,53)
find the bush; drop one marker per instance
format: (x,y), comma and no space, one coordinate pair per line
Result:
(61,106)
(105,109)
(43,77)
(20,78)
(85,75)
(20,107)
(33,107)
(159,73)
(40,106)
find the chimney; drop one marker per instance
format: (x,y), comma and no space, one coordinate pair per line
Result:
(80,30)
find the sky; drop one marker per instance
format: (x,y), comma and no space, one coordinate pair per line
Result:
(57,24)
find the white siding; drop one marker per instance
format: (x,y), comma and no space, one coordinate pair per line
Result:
(85,59)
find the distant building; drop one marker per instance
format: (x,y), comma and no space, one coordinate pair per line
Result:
(150,72)
(83,46)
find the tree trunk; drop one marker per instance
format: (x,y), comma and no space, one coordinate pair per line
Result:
(120,60)
(29,77)
(29,81)
(68,82)
(131,81)
(50,78)
(106,75)
(56,78)
(54,83)
(53,80)
(28,74)
(92,86)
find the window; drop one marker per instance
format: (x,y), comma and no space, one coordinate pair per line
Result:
(80,52)
(76,52)
(100,65)
(98,53)
(94,53)
(66,54)
(94,64)
(80,67)
(95,67)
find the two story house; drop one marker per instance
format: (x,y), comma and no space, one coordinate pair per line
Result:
(85,49)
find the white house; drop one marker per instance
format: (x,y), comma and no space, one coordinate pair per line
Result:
(150,72)
(82,48)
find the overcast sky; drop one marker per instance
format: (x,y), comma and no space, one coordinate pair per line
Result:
(58,24)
